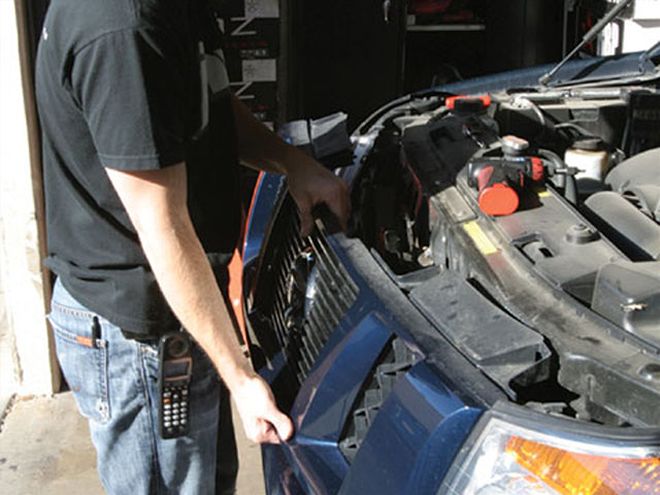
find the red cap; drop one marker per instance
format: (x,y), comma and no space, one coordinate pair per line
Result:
(452,101)
(498,200)
(538,171)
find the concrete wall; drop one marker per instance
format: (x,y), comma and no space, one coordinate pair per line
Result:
(9,377)
(27,366)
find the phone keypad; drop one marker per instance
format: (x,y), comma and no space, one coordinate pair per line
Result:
(175,411)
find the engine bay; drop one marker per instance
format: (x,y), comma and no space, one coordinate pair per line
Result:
(526,226)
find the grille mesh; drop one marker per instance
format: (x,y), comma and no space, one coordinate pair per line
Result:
(309,292)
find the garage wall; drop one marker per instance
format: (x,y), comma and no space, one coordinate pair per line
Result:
(637,31)
(8,359)
(26,360)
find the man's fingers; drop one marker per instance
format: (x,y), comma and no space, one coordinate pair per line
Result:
(345,206)
(275,429)
(269,435)
(282,424)
(279,421)
(262,432)
(306,222)
(340,206)
(337,200)
(332,205)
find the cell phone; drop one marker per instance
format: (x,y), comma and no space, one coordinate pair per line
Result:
(174,384)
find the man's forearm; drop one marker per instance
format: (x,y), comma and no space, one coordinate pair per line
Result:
(259,147)
(187,281)
(156,203)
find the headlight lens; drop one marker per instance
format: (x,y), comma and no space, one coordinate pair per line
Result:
(509,459)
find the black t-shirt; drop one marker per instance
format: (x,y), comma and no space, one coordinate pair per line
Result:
(129,85)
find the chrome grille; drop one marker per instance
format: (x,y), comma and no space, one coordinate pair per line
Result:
(303,292)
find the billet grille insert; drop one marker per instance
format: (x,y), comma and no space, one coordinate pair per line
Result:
(310,293)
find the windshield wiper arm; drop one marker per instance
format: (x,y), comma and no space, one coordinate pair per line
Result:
(591,34)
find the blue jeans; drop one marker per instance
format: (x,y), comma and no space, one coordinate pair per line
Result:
(115,383)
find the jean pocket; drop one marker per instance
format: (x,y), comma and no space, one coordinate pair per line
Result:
(83,358)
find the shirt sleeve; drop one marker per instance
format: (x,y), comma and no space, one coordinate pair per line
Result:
(130,88)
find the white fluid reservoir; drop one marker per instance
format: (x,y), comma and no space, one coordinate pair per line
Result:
(592,160)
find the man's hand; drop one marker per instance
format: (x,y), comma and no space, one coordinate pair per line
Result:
(262,420)
(311,184)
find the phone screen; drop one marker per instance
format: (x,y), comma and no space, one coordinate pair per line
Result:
(176,368)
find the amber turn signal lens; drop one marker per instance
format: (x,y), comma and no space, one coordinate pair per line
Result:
(573,473)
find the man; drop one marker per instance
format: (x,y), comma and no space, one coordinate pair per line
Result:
(140,144)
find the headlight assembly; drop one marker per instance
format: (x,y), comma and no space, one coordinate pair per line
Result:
(540,455)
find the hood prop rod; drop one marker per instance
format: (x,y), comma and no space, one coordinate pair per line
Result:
(591,34)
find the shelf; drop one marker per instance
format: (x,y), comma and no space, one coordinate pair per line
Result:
(445,27)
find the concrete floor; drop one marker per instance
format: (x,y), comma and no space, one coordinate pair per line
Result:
(45,449)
